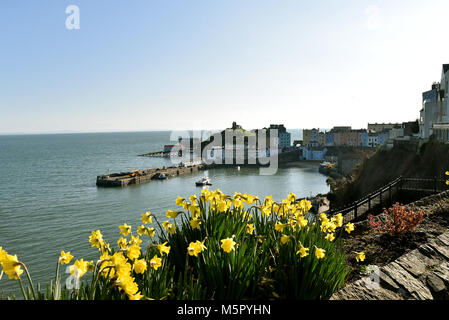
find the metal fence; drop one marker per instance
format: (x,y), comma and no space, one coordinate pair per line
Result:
(386,195)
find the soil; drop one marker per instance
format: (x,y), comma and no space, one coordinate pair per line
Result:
(381,249)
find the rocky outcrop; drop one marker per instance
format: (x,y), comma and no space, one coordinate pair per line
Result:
(422,274)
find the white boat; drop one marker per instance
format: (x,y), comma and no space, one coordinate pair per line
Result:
(204,182)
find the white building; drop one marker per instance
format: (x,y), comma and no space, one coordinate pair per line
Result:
(435,105)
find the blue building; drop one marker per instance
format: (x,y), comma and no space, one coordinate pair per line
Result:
(314,154)
(330,139)
(383,137)
(364,138)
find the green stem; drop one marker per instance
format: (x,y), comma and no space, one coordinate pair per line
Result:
(23,290)
(29,279)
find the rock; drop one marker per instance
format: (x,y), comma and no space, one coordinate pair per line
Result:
(436,286)
(413,287)
(359,291)
(441,249)
(444,238)
(412,264)
(442,271)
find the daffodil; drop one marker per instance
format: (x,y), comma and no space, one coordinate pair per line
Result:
(279,227)
(302,222)
(303,252)
(172,214)
(339,220)
(238,203)
(250,228)
(360,256)
(195,223)
(180,201)
(146,217)
(140,266)
(330,237)
(195,248)
(125,229)
(171,228)
(133,252)
(193,199)
(223,205)
(122,243)
(96,238)
(136,296)
(163,248)
(319,253)
(156,262)
(349,227)
(65,258)
(228,245)
(79,268)
(285,239)
(165,224)
(11,266)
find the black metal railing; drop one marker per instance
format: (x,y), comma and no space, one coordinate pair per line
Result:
(386,195)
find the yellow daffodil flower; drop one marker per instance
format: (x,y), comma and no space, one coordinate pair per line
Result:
(133,252)
(195,223)
(122,243)
(228,245)
(65,258)
(180,201)
(10,265)
(360,256)
(172,214)
(279,227)
(303,252)
(163,248)
(319,253)
(156,262)
(250,228)
(285,239)
(96,238)
(330,237)
(140,266)
(125,229)
(146,217)
(349,227)
(79,268)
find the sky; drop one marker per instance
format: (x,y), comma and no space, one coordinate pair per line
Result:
(142,65)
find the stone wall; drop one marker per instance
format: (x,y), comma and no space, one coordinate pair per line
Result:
(422,274)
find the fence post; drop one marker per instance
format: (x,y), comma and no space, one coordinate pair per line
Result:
(389,193)
(380,198)
(435,184)
(369,203)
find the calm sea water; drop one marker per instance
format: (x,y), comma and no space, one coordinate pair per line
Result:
(49,201)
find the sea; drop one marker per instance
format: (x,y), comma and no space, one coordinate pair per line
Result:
(49,200)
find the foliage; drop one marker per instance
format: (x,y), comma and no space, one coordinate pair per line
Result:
(216,247)
(398,219)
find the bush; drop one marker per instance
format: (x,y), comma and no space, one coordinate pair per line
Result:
(398,219)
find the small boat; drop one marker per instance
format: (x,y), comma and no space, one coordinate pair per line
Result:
(203,182)
(162,176)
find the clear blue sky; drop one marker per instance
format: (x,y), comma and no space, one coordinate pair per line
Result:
(201,64)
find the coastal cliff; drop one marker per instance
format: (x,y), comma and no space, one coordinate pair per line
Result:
(429,160)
